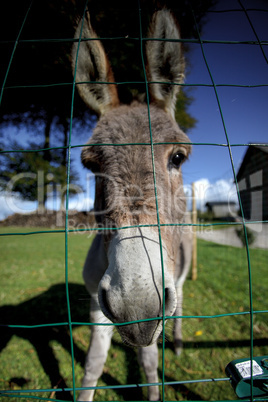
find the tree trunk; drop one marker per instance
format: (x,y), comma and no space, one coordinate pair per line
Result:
(65,142)
(49,120)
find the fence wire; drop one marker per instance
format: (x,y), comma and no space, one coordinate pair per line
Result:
(28,393)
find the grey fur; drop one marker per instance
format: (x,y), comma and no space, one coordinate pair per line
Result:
(124,268)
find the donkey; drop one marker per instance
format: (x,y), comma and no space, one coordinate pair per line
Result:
(135,271)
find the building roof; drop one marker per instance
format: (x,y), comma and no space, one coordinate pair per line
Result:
(218,203)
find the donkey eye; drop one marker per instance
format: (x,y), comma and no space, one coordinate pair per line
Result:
(177,159)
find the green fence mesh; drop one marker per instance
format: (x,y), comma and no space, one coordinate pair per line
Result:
(37,394)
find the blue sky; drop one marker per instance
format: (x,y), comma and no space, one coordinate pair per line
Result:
(244,109)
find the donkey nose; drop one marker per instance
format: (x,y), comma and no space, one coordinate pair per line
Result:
(116,312)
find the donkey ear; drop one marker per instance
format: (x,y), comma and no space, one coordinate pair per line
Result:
(165,60)
(91,67)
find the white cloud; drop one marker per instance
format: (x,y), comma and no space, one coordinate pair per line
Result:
(221,190)
(205,191)
(81,204)
(12,203)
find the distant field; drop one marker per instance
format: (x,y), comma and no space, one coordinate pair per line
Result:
(33,292)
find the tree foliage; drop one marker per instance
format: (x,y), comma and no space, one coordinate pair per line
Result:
(37,78)
(28,173)
(38,84)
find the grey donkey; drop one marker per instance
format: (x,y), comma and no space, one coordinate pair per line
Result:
(135,271)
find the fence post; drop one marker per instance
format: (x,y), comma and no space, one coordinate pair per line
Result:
(194,220)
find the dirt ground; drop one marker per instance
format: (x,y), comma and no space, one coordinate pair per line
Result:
(51,219)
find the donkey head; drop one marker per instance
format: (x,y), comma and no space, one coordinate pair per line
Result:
(136,153)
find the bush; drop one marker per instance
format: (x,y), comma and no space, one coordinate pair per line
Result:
(250,235)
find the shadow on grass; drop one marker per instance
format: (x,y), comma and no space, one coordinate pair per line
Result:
(48,308)
(51,307)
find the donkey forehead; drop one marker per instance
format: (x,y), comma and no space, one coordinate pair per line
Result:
(134,125)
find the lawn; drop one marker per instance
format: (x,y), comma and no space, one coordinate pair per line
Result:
(33,292)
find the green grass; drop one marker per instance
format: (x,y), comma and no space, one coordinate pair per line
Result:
(32,292)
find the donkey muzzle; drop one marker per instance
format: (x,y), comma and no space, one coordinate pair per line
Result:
(131,290)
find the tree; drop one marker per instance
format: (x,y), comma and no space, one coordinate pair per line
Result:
(38,79)
(32,176)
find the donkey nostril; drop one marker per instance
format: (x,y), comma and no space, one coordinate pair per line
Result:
(103,300)
(170,301)
(166,298)
(105,306)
